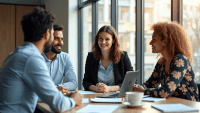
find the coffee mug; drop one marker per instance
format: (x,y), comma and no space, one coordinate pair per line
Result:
(134,98)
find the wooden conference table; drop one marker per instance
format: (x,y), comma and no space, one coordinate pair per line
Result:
(123,109)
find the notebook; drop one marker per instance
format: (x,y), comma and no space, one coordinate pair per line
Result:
(127,85)
(174,108)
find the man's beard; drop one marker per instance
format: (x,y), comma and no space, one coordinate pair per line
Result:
(48,45)
(53,49)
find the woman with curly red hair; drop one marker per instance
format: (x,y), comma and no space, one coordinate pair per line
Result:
(173,70)
(107,64)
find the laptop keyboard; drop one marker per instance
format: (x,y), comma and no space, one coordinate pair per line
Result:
(114,95)
(109,95)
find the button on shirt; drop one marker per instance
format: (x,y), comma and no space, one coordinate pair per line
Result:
(106,76)
(61,66)
(23,76)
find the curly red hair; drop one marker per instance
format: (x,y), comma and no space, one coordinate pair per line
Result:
(115,53)
(177,39)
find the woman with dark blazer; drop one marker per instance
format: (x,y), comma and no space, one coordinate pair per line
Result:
(107,65)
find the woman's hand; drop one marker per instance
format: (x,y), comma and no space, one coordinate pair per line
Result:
(106,88)
(103,88)
(99,88)
(138,88)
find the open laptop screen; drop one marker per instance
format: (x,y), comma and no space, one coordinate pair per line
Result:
(127,85)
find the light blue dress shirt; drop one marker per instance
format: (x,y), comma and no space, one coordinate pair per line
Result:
(61,67)
(23,76)
(106,76)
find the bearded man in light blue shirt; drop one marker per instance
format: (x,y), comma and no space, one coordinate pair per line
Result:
(59,63)
(24,74)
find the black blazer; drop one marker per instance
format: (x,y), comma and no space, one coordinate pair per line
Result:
(92,66)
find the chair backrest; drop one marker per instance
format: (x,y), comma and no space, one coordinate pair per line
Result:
(199,90)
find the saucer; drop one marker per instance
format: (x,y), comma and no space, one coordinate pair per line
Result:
(129,105)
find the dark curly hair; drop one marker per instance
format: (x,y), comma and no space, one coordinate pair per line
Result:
(116,53)
(58,27)
(36,23)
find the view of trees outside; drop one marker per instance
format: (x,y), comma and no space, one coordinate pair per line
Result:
(191,23)
(154,11)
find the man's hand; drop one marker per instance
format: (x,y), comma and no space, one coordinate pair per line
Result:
(63,89)
(77,97)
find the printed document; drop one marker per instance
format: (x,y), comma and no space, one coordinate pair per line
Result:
(106,99)
(85,100)
(88,92)
(98,109)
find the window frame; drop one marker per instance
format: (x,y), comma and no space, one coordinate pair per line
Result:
(176,15)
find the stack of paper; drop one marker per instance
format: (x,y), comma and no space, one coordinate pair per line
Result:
(174,108)
(98,109)
(106,99)
(152,99)
(85,100)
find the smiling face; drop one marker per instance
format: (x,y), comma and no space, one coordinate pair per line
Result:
(157,44)
(105,41)
(57,42)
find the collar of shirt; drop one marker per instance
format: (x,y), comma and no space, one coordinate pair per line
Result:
(30,44)
(106,76)
(110,65)
(47,60)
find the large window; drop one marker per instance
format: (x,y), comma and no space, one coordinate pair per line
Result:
(126,10)
(126,27)
(130,40)
(155,11)
(104,13)
(191,23)
(101,13)
(87,36)
(124,13)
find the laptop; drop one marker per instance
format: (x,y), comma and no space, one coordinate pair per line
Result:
(127,85)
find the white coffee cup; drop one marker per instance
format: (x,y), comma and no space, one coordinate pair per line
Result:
(134,98)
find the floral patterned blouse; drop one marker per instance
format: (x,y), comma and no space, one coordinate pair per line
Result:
(179,82)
